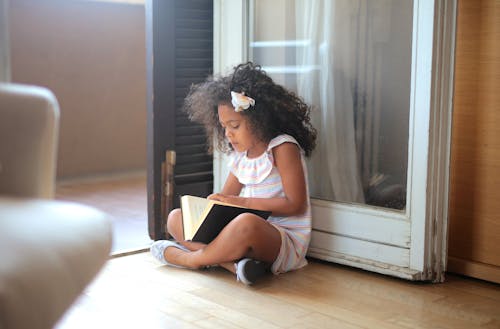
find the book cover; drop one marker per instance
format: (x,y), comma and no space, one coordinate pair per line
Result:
(203,219)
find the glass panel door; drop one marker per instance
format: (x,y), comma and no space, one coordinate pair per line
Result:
(350,60)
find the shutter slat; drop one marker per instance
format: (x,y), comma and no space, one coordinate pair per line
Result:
(193,158)
(193,168)
(198,44)
(191,148)
(190,131)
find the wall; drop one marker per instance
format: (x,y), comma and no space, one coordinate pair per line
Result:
(4,42)
(475,167)
(92,56)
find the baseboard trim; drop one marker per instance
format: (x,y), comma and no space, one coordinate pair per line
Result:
(474,269)
(122,253)
(102,177)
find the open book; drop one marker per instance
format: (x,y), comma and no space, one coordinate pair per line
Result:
(203,219)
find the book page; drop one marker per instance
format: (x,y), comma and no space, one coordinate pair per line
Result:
(192,208)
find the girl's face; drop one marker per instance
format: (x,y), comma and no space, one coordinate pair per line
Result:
(238,132)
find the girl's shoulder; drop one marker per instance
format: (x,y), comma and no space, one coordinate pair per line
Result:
(280,139)
(250,170)
(256,170)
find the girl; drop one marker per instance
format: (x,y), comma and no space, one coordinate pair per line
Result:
(268,132)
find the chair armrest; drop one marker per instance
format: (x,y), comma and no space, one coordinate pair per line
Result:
(29,126)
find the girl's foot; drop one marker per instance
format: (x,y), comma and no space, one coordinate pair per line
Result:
(158,250)
(248,270)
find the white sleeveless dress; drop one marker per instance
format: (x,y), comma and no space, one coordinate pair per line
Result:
(261,179)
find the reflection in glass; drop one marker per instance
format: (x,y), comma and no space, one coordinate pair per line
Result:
(349,59)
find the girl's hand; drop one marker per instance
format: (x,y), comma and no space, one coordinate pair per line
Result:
(232,199)
(214,196)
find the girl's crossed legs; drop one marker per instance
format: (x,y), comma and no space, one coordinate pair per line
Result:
(247,235)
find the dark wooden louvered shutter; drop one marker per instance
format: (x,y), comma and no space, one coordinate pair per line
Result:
(179,53)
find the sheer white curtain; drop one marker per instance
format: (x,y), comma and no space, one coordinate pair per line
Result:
(342,79)
(326,84)
(371,27)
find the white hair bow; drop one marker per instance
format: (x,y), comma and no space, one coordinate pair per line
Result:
(240,101)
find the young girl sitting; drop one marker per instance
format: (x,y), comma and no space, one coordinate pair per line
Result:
(267,131)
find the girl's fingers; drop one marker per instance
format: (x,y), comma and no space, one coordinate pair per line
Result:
(215,196)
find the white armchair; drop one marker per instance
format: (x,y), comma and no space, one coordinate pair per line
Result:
(49,250)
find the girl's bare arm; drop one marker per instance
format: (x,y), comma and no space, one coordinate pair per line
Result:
(288,161)
(231,187)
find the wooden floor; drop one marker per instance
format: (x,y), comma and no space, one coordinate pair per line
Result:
(123,197)
(135,291)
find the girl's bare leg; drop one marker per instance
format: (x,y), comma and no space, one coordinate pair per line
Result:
(174,227)
(247,235)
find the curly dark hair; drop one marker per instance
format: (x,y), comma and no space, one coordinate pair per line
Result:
(276,111)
